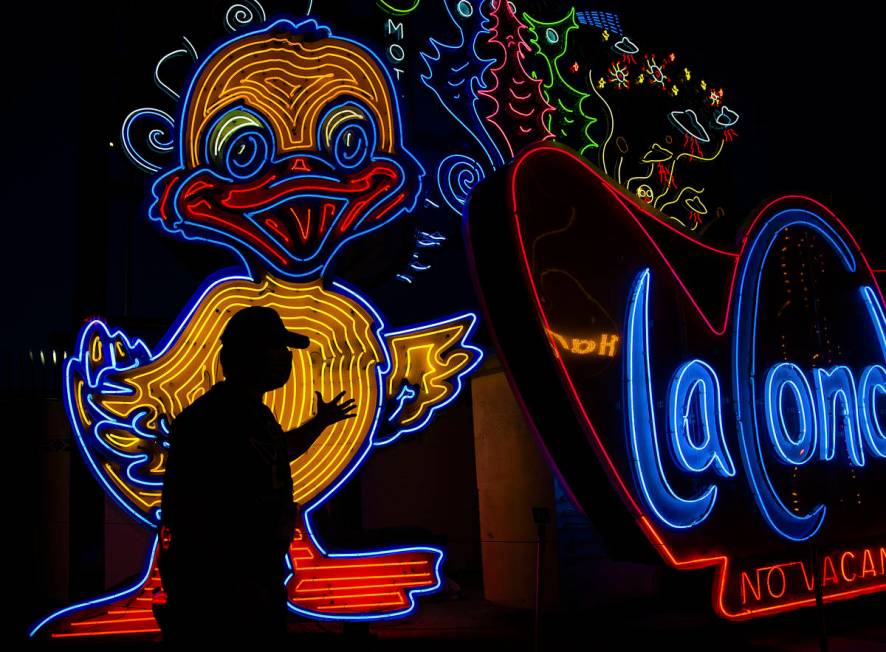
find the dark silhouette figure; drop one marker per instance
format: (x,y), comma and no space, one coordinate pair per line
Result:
(227,512)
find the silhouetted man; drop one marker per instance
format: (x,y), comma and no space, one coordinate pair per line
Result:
(227,512)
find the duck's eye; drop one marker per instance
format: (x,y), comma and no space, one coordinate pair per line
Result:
(245,154)
(351,145)
(239,145)
(348,136)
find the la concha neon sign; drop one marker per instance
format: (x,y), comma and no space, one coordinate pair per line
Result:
(832,410)
(744,418)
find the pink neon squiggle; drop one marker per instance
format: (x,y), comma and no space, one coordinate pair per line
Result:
(503,16)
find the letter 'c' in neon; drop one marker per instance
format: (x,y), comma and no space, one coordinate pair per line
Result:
(796,527)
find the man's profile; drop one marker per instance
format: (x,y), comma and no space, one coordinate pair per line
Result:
(227,511)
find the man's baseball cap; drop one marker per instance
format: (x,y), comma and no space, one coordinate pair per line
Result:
(257,325)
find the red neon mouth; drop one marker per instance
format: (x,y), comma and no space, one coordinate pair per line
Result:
(301,210)
(291,218)
(376,178)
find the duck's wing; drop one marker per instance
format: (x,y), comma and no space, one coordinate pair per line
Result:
(428,363)
(123,439)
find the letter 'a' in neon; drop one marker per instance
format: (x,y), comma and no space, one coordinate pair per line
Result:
(646,465)
(696,383)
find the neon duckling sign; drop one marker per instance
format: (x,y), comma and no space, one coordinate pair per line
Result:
(743,418)
(289,145)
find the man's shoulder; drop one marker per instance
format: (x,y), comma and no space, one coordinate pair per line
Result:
(211,406)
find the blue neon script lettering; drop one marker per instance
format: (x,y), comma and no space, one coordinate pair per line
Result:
(822,400)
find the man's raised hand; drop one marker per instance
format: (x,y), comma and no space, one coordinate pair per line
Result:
(335,410)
